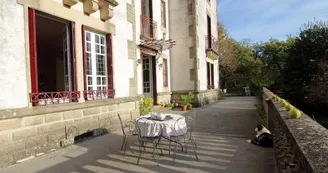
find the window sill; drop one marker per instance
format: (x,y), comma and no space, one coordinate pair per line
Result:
(210,87)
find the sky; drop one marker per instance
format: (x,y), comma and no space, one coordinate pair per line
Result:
(260,20)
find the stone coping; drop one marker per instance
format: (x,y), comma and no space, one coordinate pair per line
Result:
(310,137)
(24,112)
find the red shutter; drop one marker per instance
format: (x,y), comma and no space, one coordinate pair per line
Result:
(110,61)
(33,52)
(212,75)
(84,60)
(208,74)
(73,42)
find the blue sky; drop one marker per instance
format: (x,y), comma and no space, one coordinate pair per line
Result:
(259,20)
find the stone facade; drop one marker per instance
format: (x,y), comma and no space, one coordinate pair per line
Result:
(22,137)
(190,56)
(27,130)
(164,97)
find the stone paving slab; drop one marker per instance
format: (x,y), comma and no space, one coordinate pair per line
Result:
(221,133)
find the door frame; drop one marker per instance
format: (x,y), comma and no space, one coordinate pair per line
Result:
(154,75)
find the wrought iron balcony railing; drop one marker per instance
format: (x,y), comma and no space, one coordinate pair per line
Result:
(148,27)
(211,43)
(46,98)
(98,94)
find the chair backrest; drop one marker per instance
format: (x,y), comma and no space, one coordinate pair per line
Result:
(193,113)
(179,125)
(190,124)
(121,122)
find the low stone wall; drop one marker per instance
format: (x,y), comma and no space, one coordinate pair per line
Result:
(22,137)
(201,97)
(300,145)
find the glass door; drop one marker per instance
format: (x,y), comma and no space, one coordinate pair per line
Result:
(147,76)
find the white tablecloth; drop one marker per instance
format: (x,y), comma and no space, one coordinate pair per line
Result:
(152,128)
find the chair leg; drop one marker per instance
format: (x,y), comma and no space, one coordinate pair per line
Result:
(175,153)
(126,145)
(124,138)
(155,151)
(193,141)
(140,151)
(194,151)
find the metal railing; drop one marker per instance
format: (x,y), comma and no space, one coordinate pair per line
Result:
(46,98)
(148,27)
(98,94)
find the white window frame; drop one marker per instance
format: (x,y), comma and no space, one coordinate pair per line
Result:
(93,85)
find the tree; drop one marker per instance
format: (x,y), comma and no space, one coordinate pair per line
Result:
(306,72)
(274,55)
(227,60)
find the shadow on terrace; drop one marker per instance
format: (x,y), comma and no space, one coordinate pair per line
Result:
(221,132)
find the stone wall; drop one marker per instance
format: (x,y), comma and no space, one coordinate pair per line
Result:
(164,97)
(201,97)
(300,145)
(22,137)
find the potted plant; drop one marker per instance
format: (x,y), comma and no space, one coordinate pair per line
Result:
(184,102)
(189,106)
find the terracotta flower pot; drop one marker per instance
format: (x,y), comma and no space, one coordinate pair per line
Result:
(184,107)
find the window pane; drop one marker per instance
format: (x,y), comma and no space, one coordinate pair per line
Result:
(102,40)
(89,88)
(102,49)
(88,36)
(89,80)
(104,81)
(98,80)
(97,38)
(99,88)
(88,47)
(100,65)
(97,48)
(89,64)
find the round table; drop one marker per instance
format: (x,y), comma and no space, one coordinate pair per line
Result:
(167,128)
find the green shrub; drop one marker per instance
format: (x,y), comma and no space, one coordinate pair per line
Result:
(170,105)
(146,105)
(189,105)
(295,113)
(284,103)
(186,99)
(289,107)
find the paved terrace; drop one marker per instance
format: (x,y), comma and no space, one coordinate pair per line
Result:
(222,129)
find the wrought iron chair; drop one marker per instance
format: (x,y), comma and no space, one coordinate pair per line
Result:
(187,137)
(193,115)
(143,139)
(128,129)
